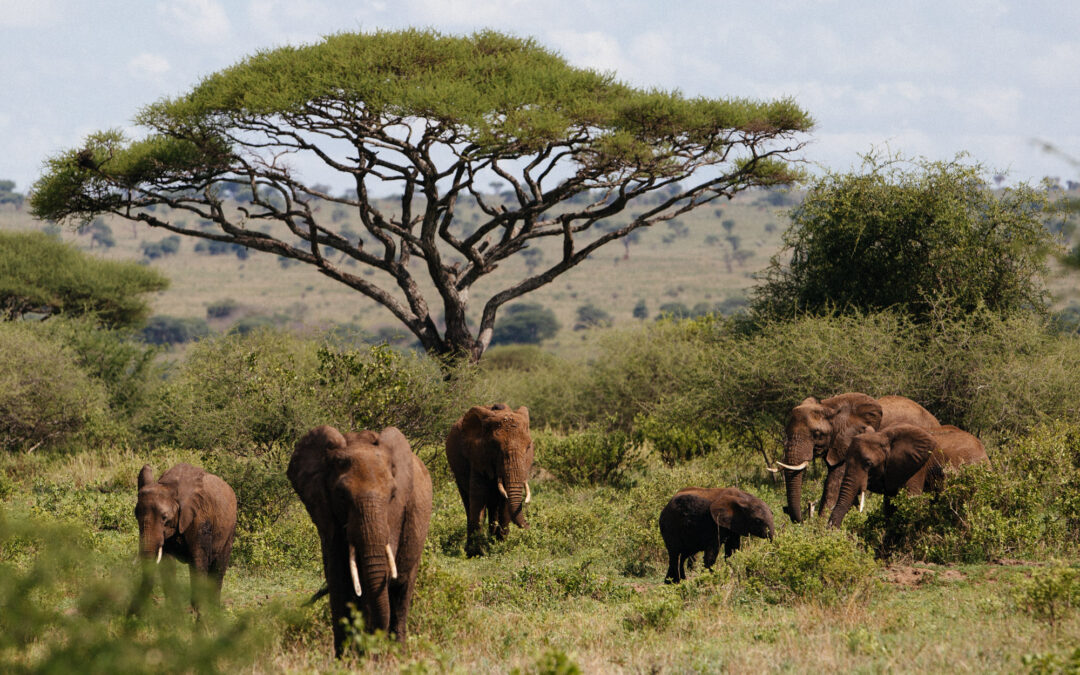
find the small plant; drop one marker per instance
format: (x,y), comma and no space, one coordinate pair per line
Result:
(1051,594)
(675,442)
(653,613)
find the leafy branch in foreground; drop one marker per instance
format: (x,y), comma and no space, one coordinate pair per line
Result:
(431,117)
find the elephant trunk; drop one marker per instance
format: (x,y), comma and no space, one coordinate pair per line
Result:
(853,485)
(368,544)
(151,544)
(517,494)
(798,451)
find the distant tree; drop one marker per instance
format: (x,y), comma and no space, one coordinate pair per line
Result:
(41,275)
(711,240)
(590,315)
(100,234)
(222,309)
(159,249)
(533,257)
(437,118)
(8,194)
(216,247)
(728,225)
(677,227)
(171,330)
(911,236)
(674,310)
(641,310)
(734,240)
(525,323)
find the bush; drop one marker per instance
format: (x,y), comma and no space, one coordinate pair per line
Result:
(590,456)
(525,323)
(929,234)
(592,316)
(45,396)
(808,563)
(222,309)
(170,330)
(1027,503)
(1051,594)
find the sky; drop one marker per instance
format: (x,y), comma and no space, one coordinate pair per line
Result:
(920,78)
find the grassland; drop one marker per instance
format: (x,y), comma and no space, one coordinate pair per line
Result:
(584,583)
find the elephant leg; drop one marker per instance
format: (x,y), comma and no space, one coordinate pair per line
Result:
(202,555)
(672,568)
(731,545)
(478,501)
(400,601)
(710,555)
(146,586)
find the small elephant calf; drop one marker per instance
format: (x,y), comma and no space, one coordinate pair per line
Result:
(700,519)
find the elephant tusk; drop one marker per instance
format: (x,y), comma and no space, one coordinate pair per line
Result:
(811,510)
(771,469)
(390,560)
(502,491)
(160,550)
(528,493)
(862,500)
(353,572)
(797,467)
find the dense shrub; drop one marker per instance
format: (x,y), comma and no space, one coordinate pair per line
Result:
(524,323)
(1026,503)
(171,330)
(45,396)
(808,563)
(910,237)
(1051,594)
(589,456)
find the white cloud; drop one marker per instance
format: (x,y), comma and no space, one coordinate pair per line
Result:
(591,49)
(199,20)
(469,12)
(29,13)
(148,66)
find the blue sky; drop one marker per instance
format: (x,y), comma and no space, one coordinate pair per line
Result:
(920,78)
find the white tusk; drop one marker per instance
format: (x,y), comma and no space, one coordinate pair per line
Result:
(160,549)
(811,510)
(797,467)
(528,493)
(862,500)
(502,491)
(353,572)
(390,559)
(770,469)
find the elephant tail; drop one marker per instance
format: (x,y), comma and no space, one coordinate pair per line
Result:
(322,592)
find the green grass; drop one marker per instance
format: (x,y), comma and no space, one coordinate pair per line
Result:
(584,581)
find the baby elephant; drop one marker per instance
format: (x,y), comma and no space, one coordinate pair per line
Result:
(190,515)
(700,519)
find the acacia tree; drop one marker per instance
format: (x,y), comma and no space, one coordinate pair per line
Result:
(434,118)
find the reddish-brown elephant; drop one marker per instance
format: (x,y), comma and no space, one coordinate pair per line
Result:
(903,456)
(190,515)
(825,429)
(370,499)
(490,453)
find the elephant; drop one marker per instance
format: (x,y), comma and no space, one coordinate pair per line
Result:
(825,429)
(370,497)
(490,453)
(190,515)
(701,519)
(903,456)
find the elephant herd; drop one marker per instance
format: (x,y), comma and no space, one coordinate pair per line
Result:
(370,496)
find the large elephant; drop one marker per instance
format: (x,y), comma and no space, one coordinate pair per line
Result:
(701,519)
(903,456)
(490,452)
(370,499)
(190,515)
(825,429)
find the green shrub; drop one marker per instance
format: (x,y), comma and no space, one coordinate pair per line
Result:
(808,563)
(524,323)
(653,613)
(1025,503)
(171,330)
(553,662)
(1051,594)
(590,456)
(675,442)
(45,396)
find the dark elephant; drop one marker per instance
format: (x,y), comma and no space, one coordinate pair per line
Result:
(701,519)
(825,429)
(490,452)
(903,456)
(370,499)
(190,515)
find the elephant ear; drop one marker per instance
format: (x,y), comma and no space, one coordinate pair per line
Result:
(146,476)
(850,414)
(910,448)
(307,472)
(401,465)
(727,513)
(524,412)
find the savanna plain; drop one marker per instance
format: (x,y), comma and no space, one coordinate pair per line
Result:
(983,577)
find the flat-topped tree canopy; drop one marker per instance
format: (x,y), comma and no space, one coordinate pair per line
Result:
(433,118)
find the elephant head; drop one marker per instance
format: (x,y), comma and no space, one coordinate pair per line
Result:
(355,487)
(507,454)
(743,514)
(883,462)
(822,428)
(163,510)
